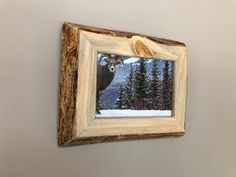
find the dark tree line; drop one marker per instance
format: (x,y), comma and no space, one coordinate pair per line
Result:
(147,92)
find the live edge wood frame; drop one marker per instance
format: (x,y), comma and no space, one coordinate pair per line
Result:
(77,124)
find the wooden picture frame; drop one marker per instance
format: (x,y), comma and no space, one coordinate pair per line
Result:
(77,123)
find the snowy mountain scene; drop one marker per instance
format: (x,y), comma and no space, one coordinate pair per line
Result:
(131,86)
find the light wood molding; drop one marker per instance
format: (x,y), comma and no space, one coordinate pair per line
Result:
(77,119)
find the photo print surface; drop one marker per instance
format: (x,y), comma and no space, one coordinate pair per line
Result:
(131,86)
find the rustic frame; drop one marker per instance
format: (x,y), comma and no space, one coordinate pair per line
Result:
(77,124)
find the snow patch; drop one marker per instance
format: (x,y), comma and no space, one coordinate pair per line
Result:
(131,60)
(150,60)
(99,55)
(132,113)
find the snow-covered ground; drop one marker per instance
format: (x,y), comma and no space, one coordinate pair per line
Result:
(132,113)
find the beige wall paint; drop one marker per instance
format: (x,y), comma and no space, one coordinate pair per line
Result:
(29,76)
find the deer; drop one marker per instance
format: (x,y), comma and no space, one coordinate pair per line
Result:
(106,73)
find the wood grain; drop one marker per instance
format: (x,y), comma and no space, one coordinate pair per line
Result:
(68,84)
(123,34)
(102,139)
(77,124)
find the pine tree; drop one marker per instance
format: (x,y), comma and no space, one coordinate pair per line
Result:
(167,87)
(140,86)
(120,100)
(155,87)
(128,88)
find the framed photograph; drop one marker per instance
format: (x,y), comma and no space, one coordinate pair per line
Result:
(118,86)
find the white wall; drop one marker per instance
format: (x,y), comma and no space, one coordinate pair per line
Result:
(29,80)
